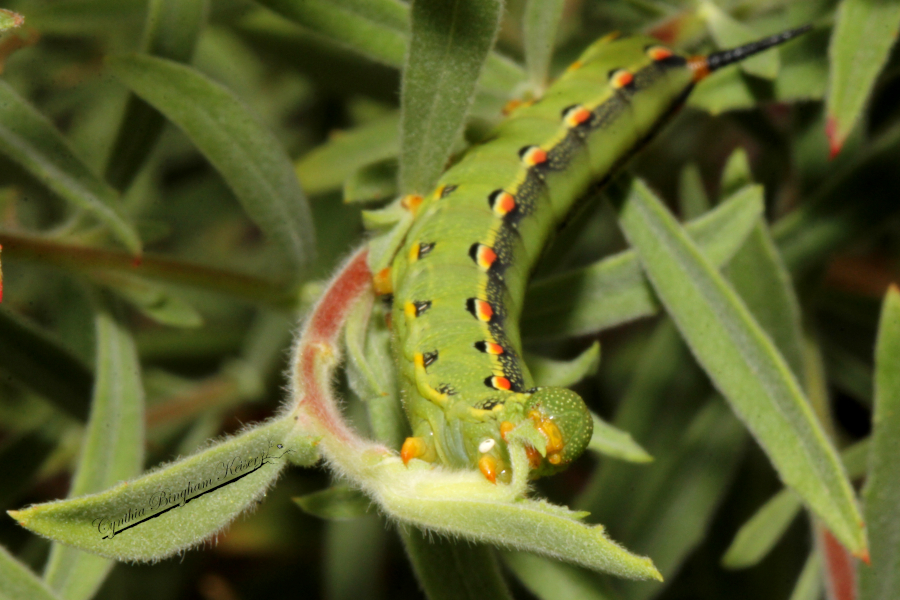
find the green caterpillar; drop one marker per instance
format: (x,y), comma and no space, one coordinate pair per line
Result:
(458,280)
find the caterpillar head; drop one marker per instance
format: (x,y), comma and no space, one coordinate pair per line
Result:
(562,417)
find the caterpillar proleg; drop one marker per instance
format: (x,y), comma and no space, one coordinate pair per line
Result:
(459,278)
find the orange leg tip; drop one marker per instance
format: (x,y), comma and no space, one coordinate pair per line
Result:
(534,457)
(505,428)
(488,467)
(412,202)
(382,282)
(413,447)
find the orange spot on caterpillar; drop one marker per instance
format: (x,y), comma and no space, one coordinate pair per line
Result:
(835,143)
(382,282)
(533,155)
(480,309)
(700,66)
(415,309)
(534,457)
(490,348)
(620,78)
(576,115)
(552,434)
(412,202)
(575,66)
(513,105)
(488,467)
(484,256)
(659,53)
(413,447)
(501,202)
(505,428)
(498,383)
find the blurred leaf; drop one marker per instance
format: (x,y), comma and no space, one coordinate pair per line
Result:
(334,162)
(541,22)
(809,584)
(354,558)
(730,33)
(760,534)
(857,199)
(29,139)
(551,580)
(10,20)
(615,290)
(453,570)
(175,506)
(803,76)
(692,197)
(372,183)
(155,302)
(881,495)
(671,510)
(743,363)
(246,154)
(17,582)
(82,17)
(44,365)
(564,373)
(450,41)
(863,35)
(756,538)
(376,28)
(337,503)
(737,173)
(113,448)
(22,457)
(173,27)
(612,441)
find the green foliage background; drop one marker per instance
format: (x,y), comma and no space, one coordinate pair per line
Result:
(234,252)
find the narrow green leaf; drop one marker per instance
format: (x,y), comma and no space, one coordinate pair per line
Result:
(737,173)
(809,584)
(176,506)
(541,22)
(551,580)
(331,164)
(450,41)
(692,197)
(154,301)
(881,495)
(453,570)
(615,290)
(378,28)
(762,281)
(743,363)
(729,33)
(372,183)
(564,373)
(10,20)
(863,36)
(172,30)
(17,582)
(756,538)
(246,154)
(113,448)
(671,513)
(30,140)
(612,441)
(760,534)
(337,503)
(44,365)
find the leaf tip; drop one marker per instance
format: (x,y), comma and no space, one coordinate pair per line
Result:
(835,139)
(863,555)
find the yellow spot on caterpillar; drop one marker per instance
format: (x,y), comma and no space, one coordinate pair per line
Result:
(414,252)
(488,466)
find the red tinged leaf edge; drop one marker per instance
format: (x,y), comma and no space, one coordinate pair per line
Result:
(834,142)
(840,567)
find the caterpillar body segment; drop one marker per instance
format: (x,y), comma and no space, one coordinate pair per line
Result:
(460,276)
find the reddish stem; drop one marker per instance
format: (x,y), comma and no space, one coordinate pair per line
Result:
(317,349)
(840,567)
